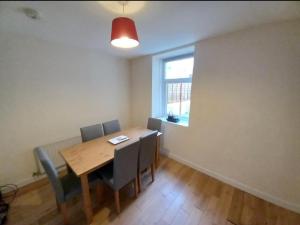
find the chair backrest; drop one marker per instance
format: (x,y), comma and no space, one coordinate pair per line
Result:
(51,172)
(110,127)
(147,150)
(91,132)
(125,164)
(154,124)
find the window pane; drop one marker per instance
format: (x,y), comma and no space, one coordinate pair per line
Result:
(178,98)
(181,68)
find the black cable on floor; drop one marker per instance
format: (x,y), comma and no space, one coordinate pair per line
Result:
(12,189)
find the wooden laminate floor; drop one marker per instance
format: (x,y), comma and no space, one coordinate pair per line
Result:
(179,196)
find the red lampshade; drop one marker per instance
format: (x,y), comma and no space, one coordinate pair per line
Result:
(123,33)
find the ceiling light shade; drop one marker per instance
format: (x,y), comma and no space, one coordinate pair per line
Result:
(123,33)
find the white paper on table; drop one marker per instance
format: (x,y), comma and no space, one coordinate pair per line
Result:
(119,139)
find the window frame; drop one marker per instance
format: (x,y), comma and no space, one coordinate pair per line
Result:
(167,81)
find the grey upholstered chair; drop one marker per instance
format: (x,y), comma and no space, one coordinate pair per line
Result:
(110,127)
(65,187)
(147,155)
(154,124)
(91,132)
(123,170)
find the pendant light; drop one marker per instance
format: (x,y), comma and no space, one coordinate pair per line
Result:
(123,32)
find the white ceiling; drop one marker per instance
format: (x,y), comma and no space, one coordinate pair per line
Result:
(161,25)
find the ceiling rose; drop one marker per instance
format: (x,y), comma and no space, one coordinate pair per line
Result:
(131,6)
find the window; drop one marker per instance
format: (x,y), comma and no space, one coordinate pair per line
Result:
(177,84)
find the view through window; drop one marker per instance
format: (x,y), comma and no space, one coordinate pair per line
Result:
(177,84)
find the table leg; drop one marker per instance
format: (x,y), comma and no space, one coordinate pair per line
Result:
(157,151)
(86,198)
(99,192)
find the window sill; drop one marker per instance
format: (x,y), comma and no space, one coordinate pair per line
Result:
(180,123)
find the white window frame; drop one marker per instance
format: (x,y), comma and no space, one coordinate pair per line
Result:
(167,81)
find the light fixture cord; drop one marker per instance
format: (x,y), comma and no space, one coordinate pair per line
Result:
(123,7)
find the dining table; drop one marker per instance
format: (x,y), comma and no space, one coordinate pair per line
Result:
(86,157)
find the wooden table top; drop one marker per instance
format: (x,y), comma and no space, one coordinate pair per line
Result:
(88,156)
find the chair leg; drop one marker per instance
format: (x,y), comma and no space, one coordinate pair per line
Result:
(157,152)
(63,208)
(57,205)
(136,187)
(139,182)
(117,201)
(152,171)
(99,192)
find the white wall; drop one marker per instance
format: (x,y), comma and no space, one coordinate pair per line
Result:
(47,92)
(245,111)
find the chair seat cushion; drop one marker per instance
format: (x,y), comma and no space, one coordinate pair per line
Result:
(72,184)
(106,174)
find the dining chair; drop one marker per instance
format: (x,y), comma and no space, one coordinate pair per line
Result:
(146,155)
(110,127)
(65,187)
(122,171)
(91,132)
(154,124)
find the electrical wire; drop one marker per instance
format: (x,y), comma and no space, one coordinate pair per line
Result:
(12,191)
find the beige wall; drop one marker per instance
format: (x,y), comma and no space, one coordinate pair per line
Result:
(140,90)
(47,92)
(245,111)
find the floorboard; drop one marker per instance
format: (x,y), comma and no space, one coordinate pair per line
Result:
(180,195)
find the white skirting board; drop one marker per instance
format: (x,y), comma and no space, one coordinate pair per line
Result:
(30,180)
(234,183)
